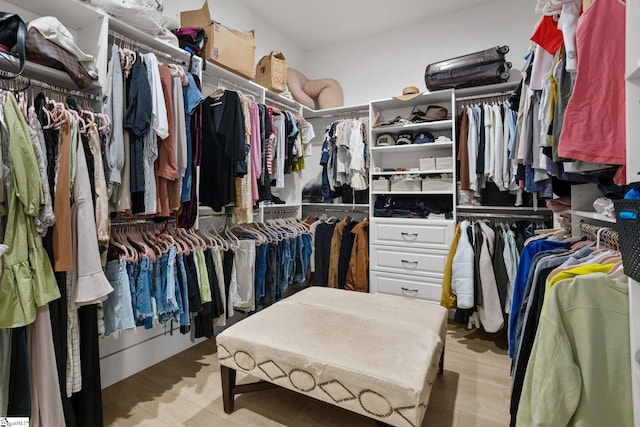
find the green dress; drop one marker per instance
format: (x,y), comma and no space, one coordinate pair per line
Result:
(27,279)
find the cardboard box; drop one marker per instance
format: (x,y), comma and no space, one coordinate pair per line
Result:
(232,49)
(271,72)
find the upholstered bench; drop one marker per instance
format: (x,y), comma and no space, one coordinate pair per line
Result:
(373,354)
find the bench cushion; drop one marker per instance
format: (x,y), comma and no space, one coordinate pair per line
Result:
(373,354)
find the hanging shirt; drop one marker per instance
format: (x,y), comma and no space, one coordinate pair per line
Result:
(27,280)
(192,98)
(569,380)
(594,128)
(159,129)
(223,151)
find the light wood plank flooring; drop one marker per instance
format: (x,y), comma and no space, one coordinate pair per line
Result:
(185,391)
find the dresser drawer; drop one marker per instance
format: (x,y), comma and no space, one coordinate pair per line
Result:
(407,286)
(410,261)
(418,234)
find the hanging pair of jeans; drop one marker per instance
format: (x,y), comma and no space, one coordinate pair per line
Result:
(117,308)
(144,306)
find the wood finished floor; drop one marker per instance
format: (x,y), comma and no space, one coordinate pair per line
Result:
(185,391)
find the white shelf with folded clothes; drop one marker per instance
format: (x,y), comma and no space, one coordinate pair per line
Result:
(412,192)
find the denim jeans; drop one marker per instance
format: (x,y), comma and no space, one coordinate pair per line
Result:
(261,271)
(184,290)
(160,289)
(293,252)
(170,302)
(284,248)
(133,271)
(117,308)
(144,309)
(272,287)
(304,252)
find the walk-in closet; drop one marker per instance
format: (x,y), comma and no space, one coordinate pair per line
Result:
(293,213)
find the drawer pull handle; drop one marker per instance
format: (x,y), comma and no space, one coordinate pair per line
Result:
(404,261)
(405,234)
(405,289)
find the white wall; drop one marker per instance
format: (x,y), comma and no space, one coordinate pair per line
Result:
(379,67)
(235,14)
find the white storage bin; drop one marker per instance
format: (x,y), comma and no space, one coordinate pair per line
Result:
(406,185)
(437,184)
(380,185)
(444,163)
(428,164)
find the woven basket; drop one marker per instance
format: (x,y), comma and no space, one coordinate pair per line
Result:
(629,235)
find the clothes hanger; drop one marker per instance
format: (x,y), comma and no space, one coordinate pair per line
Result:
(211,240)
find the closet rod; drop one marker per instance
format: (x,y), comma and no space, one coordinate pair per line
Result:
(143,46)
(280,105)
(47,87)
(61,90)
(139,221)
(348,210)
(472,215)
(357,114)
(222,82)
(600,234)
(363,114)
(485,95)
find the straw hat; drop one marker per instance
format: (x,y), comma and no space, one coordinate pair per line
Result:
(408,93)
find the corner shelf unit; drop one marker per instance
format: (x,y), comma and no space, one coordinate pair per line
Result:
(408,254)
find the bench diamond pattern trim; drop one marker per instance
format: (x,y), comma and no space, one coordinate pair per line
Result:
(272,370)
(370,401)
(223,353)
(336,391)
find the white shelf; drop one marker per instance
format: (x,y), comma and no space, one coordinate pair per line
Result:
(635,73)
(280,206)
(519,209)
(336,205)
(435,125)
(279,100)
(361,110)
(417,221)
(412,147)
(48,75)
(441,97)
(594,215)
(394,193)
(425,172)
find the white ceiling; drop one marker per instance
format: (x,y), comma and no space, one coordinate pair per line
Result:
(316,23)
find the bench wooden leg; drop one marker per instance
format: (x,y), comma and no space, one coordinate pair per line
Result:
(441,365)
(228,376)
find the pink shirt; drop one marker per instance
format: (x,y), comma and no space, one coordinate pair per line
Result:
(594,123)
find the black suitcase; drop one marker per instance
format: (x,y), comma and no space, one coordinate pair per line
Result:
(475,69)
